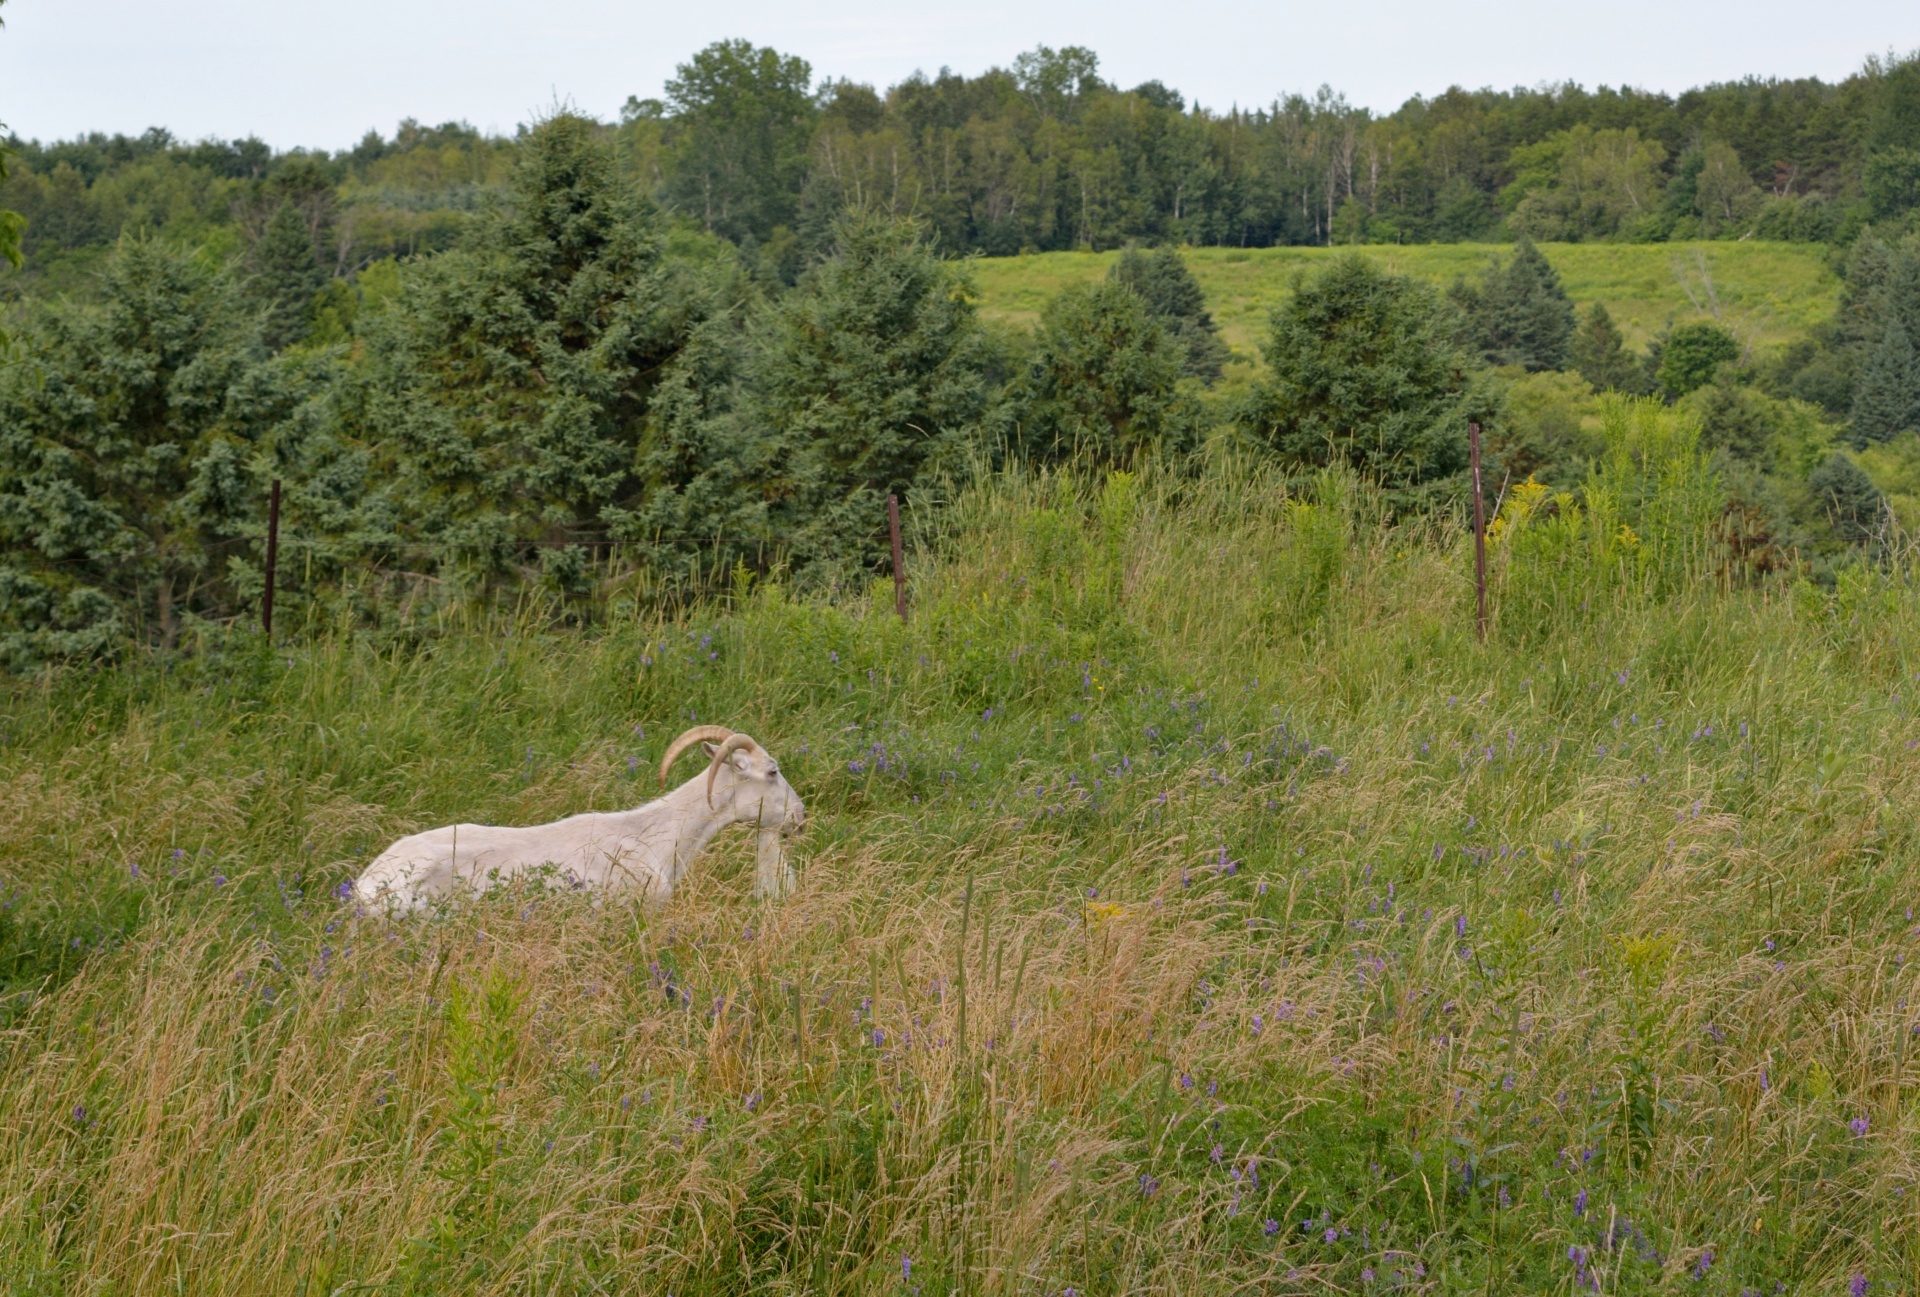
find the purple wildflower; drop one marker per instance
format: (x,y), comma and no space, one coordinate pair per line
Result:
(1858,1126)
(1580,1203)
(1271,1228)
(1857,1286)
(1331,1234)
(906,1268)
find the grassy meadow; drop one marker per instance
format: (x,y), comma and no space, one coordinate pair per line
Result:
(1769,293)
(1191,904)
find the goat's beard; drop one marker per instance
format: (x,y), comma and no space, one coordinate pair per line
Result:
(771,863)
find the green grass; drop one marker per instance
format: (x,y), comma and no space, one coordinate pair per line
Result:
(1185,864)
(1770,293)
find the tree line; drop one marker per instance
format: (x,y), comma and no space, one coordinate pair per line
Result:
(1046,154)
(580,393)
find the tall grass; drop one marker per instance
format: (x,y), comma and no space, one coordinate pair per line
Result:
(1191,904)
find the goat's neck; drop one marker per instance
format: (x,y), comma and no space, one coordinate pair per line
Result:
(692,822)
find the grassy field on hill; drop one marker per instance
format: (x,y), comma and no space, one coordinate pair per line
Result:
(1769,293)
(1192,904)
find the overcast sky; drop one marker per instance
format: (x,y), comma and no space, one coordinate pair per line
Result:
(298,72)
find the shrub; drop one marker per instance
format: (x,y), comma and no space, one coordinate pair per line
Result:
(1691,354)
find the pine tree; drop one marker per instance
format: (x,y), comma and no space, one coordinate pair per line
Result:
(1886,393)
(1599,352)
(1522,314)
(1172,296)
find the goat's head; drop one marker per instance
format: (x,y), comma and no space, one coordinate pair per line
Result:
(743,780)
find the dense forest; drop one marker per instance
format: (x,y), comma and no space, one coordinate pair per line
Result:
(707,342)
(1047,155)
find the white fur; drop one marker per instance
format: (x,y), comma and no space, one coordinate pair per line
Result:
(647,849)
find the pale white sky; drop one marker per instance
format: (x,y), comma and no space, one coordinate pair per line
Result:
(300,72)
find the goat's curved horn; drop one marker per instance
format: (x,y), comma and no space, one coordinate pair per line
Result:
(698,734)
(733,744)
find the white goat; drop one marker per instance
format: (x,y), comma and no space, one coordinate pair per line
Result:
(648,849)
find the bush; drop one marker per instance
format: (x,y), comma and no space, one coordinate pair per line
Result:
(1692,354)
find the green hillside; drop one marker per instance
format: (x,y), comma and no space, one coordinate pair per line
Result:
(1769,293)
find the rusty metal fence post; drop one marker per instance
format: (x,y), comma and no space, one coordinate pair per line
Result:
(273,559)
(899,559)
(1479,530)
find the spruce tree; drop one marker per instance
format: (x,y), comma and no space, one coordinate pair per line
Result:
(1522,316)
(1172,296)
(872,374)
(1886,393)
(1103,385)
(128,458)
(509,395)
(1599,352)
(286,276)
(1365,369)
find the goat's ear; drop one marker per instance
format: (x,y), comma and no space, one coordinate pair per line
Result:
(709,749)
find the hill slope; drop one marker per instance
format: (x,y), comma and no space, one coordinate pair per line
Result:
(1770,293)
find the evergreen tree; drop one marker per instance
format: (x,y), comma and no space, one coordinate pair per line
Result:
(286,276)
(1521,315)
(1886,392)
(1692,354)
(1847,500)
(1172,296)
(1599,352)
(873,374)
(508,394)
(1364,369)
(1104,381)
(128,443)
